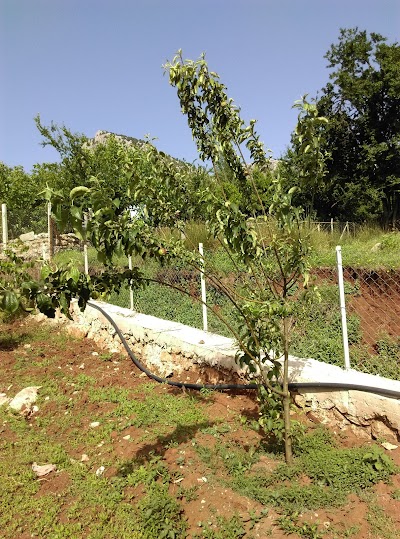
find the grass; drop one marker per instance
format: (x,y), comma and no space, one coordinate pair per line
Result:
(100,507)
(222,528)
(141,495)
(357,250)
(381,525)
(333,473)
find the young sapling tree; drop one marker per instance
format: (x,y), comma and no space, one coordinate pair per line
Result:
(264,241)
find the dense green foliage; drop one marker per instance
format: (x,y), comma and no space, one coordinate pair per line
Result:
(115,165)
(362,138)
(23,194)
(333,473)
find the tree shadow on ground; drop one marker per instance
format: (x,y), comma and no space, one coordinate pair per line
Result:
(180,435)
(9,341)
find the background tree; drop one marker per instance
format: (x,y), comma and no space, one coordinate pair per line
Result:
(250,200)
(115,163)
(23,194)
(72,151)
(305,162)
(362,103)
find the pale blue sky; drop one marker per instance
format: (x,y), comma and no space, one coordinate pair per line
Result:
(96,64)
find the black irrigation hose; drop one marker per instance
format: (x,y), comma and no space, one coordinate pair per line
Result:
(293,386)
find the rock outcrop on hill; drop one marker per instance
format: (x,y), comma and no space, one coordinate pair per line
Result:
(102,136)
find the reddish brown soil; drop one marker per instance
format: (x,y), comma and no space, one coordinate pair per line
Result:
(375,298)
(377,303)
(213,498)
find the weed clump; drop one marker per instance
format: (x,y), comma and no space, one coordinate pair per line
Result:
(322,475)
(160,515)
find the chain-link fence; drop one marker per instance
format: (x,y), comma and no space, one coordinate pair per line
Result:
(38,233)
(179,299)
(372,299)
(14,223)
(20,221)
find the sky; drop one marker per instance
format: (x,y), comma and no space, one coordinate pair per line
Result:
(97,64)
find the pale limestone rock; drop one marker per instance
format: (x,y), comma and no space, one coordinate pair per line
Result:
(35,246)
(99,472)
(41,471)
(378,415)
(24,399)
(380,431)
(389,446)
(76,332)
(4,399)
(29,236)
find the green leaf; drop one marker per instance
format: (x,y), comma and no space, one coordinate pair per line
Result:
(45,272)
(45,306)
(76,212)
(9,301)
(78,191)
(30,286)
(64,303)
(73,273)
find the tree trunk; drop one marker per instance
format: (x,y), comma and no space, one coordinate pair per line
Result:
(286,398)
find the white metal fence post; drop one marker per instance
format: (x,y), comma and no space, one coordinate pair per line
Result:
(342,307)
(85,256)
(4,225)
(203,288)
(49,230)
(132,307)
(85,249)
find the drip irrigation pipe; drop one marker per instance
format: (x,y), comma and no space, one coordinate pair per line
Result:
(293,386)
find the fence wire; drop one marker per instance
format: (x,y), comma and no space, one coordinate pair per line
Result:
(373,321)
(372,302)
(373,314)
(178,299)
(339,228)
(375,297)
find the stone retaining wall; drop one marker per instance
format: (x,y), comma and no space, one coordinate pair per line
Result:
(169,348)
(32,246)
